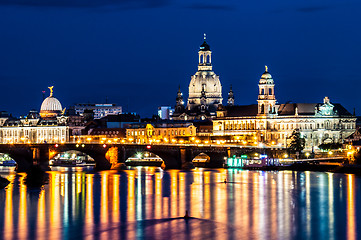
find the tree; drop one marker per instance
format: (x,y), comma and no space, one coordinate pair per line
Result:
(296,144)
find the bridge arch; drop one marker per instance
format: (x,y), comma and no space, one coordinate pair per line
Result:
(70,157)
(170,157)
(95,151)
(145,158)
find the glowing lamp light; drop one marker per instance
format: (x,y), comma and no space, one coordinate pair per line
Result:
(56,145)
(149,147)
(307,154)
(83,145)
(330,153)
(77,145)
(285,156)
(104,145)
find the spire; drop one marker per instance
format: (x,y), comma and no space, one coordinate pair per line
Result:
(266,68)
(230,100)
(179,99)
(204,46)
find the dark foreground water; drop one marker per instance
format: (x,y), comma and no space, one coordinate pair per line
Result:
(146,203)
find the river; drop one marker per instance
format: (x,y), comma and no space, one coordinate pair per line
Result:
(149,203)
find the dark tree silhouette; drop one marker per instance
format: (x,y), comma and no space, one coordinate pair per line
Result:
(297,144)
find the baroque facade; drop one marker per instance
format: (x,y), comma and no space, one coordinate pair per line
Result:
(272,123)
(205,90)
(160,132)
(50,126)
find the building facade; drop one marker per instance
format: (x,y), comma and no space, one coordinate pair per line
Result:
(166,132)
(50,126)
(273,124)
(99,109)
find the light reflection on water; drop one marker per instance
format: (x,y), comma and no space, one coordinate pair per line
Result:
(148,202)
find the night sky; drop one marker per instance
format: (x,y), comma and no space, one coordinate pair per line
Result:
(137,52)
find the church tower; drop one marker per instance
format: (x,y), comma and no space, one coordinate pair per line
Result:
(205,89)
(266,96)
(230,101)
(179,107)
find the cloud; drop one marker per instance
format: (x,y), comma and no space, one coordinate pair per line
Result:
(200,6)
(87,3)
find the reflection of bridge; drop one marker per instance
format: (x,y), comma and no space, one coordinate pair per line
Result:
(174,156)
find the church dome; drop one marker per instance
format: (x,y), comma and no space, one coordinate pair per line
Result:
(51,104)
(51,107)
(266,75)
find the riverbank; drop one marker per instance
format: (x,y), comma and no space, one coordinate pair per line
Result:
(350,169)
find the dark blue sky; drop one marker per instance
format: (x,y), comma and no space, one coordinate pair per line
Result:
(137,52)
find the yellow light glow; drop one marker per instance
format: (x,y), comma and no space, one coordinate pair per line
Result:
(330,152)
(89,139)
(285,156)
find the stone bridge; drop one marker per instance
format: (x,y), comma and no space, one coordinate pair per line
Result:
(174,156)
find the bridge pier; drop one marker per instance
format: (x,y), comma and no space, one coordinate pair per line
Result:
(186,157)
(41,156)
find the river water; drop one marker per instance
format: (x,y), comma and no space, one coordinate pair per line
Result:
(148,203)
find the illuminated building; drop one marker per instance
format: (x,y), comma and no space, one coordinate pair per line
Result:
(165,112)
(99,109)
(273,123)
(205,90)
(47,127)
(159,132)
